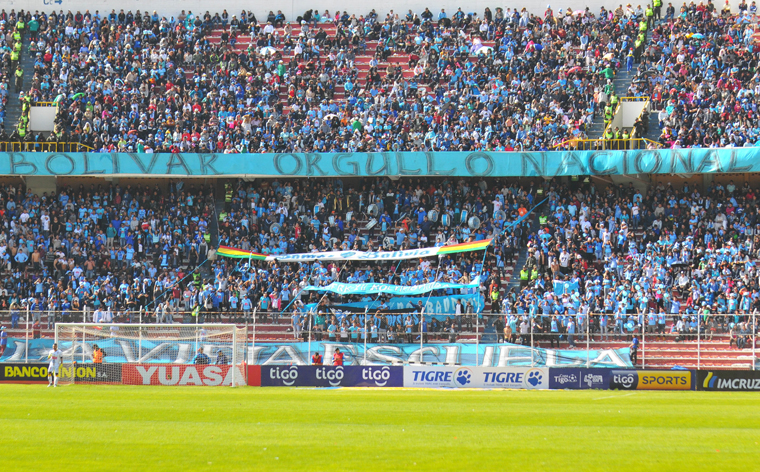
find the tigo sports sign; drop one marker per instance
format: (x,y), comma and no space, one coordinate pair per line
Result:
(476,377)
(151,374)
(721,380)
(665,380)
(651,380)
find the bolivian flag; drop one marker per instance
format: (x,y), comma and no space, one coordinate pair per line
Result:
(465,247)
(227,251)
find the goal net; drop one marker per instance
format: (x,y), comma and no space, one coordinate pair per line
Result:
(170,354)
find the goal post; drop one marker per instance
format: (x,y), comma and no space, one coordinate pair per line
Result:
(152,354)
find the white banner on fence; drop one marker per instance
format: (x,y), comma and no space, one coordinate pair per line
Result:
(348,289)
(357,255)
(476,377)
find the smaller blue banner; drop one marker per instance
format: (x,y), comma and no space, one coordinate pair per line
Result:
(579,378)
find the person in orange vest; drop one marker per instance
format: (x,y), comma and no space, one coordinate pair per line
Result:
(338,357)
(316,359)
(97,354)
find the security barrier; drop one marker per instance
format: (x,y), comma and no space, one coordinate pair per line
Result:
(415,376)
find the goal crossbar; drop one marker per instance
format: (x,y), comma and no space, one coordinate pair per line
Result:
(152,354)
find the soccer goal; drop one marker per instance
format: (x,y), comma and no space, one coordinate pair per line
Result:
(160,354)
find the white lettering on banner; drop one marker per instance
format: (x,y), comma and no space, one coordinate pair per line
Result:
(154,353)
(626,380)
(592,379)
(333,376)
(452,354)
(418,354)
(739,384)
(291,353)
(234,373)
(357,255)
(211,375)
(288,376)
(171,379)
(375,354)
(379,376)
(476,377)
(190,377)
(146,374)
(563,379)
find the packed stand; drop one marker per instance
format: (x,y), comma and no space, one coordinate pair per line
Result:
(108,248)
(10,50)
(659,261)
(504,81)
(130,254)
(700,69)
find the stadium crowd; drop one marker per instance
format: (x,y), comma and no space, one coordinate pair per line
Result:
(506,80)
(660,261)
(657,261)
(117,250)
(147,83)
(700,70)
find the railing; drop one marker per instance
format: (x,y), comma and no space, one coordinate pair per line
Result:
(43,146)
(46,104)
(602,144)
(715,341)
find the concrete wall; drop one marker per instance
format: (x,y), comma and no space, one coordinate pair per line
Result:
(629,111)
(294,8)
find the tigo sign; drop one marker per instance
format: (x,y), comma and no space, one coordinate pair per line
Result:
(331,376)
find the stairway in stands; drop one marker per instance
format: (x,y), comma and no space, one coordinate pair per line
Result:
(13,107)
(361,62)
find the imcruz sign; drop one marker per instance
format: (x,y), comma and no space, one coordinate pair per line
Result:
(724,380)
(460,164)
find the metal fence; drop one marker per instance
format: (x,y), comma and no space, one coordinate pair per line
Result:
(43,146)
(695,341)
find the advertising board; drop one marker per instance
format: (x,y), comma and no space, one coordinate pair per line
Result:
(152,374)
(578,378)
(331,376)
(476,377)
(728,380)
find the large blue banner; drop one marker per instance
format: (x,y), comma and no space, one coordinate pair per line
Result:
(495,355)
(497,164)
(501,355)
(360,289)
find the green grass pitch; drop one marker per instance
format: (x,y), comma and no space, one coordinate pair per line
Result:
(93,428)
